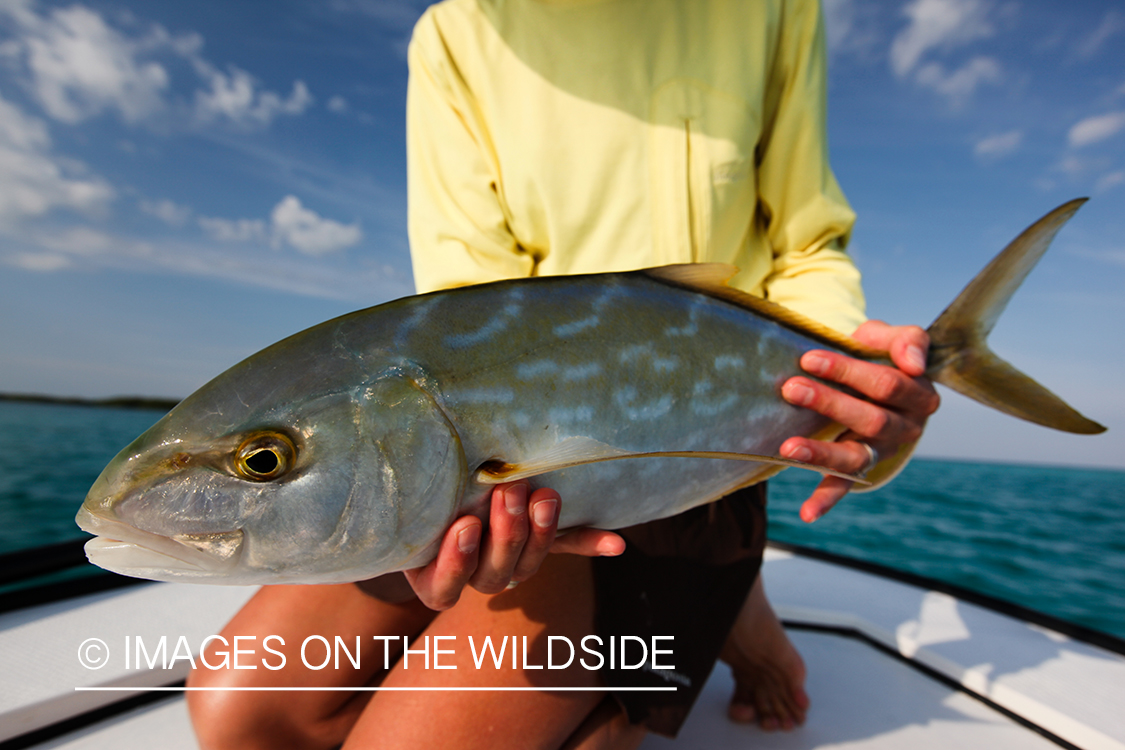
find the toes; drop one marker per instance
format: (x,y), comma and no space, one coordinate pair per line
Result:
(770,715)
(742,713)
(767,701)
(741,708)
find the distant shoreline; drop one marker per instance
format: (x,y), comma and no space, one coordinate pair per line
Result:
(117,402)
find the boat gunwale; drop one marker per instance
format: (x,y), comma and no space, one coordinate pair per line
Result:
(30,560)
(106,581)
(1072,630)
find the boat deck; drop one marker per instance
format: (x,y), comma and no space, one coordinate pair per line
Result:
(891,665)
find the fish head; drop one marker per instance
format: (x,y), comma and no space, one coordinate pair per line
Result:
(324,487)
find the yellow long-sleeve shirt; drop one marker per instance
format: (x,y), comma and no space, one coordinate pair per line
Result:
(582,135)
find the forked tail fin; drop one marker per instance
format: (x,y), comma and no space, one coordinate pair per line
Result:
(959,354)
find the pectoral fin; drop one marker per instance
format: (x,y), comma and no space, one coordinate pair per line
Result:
(579,451)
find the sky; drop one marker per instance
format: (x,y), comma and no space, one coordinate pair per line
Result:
(183,183)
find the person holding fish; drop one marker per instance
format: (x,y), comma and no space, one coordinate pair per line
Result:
(557,138)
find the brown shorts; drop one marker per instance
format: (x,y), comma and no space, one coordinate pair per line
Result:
(685,577)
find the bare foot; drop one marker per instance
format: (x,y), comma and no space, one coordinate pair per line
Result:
(769,674)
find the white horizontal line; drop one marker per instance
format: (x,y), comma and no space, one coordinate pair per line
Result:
(374,689)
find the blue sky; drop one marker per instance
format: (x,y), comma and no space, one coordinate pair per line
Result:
(182,184)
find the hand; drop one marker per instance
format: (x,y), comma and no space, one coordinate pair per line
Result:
(900,401)
(513,548)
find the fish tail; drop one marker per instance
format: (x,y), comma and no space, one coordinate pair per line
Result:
(959,355)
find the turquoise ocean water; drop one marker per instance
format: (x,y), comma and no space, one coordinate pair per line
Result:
(1048,538)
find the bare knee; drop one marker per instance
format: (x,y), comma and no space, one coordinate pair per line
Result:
(229,719)
(248,720)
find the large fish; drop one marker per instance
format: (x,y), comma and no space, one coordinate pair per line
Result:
(345,451)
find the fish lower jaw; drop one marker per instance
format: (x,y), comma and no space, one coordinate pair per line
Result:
(129,551)
(135,561)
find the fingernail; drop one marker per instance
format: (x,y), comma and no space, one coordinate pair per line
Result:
(916,357)
(468,539)
(543,513)
(609,548)
(814,363)
(515,499)
(798,394)
(809,513)
(800,453)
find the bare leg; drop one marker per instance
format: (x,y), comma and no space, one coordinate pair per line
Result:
(606,728)
(312,720)
(557,601)
(768,672)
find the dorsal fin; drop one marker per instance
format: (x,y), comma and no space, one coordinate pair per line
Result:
(711,279)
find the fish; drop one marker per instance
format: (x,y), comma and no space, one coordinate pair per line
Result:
(345,451)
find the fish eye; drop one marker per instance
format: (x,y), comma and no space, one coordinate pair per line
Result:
(264,456)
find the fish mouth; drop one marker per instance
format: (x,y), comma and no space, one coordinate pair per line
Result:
(134,552)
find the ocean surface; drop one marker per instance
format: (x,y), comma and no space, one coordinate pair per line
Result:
(1048,538)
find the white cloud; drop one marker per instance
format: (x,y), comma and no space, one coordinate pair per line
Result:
(999,145)
(937,24)
(79,66)
(291,224)
(959,84)
(40,262)
(308,232)
(1094,129)
(1113,23)
(1080,169)
(236,97)
(234,230)
(1111,180)
(338,104)
(82,241)
(170,213)
(32,180)
(936,28)
(1073,167)
(839,15)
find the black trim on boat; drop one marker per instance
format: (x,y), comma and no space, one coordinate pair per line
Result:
(29,563)
(847,632)
(81,721)
(24,566)
(1016,611)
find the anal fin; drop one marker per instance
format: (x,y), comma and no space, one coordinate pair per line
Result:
(580,451)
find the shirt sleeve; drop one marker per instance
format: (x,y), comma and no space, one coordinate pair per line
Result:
(808,219)
(459,233)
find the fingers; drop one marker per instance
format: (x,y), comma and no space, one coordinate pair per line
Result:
(848,456)
(883,385)
(521,530)
(830,491)
(439,584)
(589,543)
(521,534)
(891,410)
(878,422)
(907,345)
